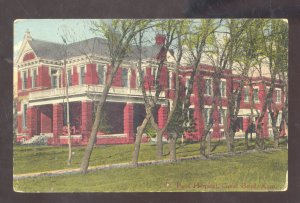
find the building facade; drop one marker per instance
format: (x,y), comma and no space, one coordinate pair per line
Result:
(45,68)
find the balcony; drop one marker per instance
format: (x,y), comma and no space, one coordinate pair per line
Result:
(87,90)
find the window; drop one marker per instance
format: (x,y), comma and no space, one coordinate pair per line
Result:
(208,86)
(223,88)
(125,77)
(277,96)
(246,94)
(34,73)
(269,119)
(279,117)
(54,78)
(82,75)
(69,72)
(170,79)
(24,116)
(24,80)
(208,119)
(190,113)
(222,115)
(101,74)
(255,95)
(187,81)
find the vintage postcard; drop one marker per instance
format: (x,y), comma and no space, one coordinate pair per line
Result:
(150,105)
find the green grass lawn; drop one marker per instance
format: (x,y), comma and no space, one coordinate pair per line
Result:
(29,159)
(259,171)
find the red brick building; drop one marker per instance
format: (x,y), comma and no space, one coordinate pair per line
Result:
(42,97)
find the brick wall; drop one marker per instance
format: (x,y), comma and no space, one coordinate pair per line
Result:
(57,122)
(128,121)
(75,80)
(86,119)
(162,117)
(91,76)
(32,121)
(46,119)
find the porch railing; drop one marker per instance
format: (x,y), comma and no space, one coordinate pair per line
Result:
(86,89)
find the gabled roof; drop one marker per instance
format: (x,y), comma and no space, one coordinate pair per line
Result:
(98,46)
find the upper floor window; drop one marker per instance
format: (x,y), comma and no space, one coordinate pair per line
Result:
(223,88)
(277,95)
(124,77)
(24,80)
(81,75)
(34,76)
(24,116)
(54,78)
(255,95)
(246,94)
(208,86)
(69,72)
(101,74)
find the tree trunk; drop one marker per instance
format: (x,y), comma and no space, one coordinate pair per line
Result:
(159,142)
(209,145)
(89,148)
(246,140)
(172,145)
(138,139)
(230,141)
(203,147)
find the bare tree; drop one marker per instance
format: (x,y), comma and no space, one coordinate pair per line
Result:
(222,54)
(119,35)
(150,100)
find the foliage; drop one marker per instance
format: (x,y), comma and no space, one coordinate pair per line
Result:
(179,123)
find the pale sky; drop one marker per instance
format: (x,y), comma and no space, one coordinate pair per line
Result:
(49,29)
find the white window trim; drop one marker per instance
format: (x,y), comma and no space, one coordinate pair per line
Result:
(22,77)
(128,77)
(31,75)
(22,110)
(170,79)
(248,100)
(79,71)
(104,72)
(223,80)
(278,102)
(211,86)
(58,73)
(225,113)
(256,101)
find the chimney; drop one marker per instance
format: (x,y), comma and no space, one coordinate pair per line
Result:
(27,35)
(160,39)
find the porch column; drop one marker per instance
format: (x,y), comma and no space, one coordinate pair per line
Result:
(32,121)
(162,117)
(46,119)
(57,122)
(128,122)
(86,120)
